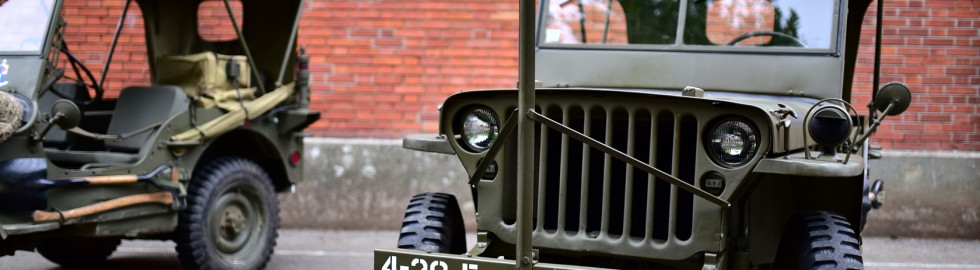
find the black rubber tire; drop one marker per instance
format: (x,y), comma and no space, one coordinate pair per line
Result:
(77,252)
(827,241)
(232,217)
(433,223)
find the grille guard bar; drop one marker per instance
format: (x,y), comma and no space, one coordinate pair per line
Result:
(509,127)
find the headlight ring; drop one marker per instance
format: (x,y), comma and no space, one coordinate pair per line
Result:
(479,127)
(732,141)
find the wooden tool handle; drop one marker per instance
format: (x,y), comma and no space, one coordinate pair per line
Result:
(159,197)
(112,179)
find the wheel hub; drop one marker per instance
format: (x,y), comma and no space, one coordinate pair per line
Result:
(233,222)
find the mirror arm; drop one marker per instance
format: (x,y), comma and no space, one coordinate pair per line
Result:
(51,123)
(875,124)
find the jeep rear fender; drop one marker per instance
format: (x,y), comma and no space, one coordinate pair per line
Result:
(254,146)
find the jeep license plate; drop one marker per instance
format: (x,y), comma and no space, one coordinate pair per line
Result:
(403,259)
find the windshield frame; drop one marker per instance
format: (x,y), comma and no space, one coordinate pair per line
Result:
(49,32)
(834,49)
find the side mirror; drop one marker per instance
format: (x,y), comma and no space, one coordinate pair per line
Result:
(66,114)
(893,99)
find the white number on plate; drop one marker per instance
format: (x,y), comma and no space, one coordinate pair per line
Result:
(420,264)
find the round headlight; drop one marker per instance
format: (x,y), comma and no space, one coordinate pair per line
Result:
(829,125)
(732,142)
(480,127)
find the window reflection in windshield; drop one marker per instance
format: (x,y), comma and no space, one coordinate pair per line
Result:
(784,23)
(736,23)
(23,24)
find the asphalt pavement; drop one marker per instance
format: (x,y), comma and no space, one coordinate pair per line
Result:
(303,249)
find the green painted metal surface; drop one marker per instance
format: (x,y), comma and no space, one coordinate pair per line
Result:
(274,139)
(611,161)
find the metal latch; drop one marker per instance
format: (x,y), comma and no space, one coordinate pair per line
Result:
(691,91)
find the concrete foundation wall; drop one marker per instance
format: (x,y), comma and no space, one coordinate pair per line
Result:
(927,194)
(365,184)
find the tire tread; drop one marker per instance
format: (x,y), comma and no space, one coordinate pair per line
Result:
(433,223)
(192,248)
(828,242)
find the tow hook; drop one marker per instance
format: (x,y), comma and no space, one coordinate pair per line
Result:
(874,194)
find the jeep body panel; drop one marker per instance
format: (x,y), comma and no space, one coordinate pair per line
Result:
(99,197)
(658,103)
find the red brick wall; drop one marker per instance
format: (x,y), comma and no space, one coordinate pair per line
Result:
(934,47)
(381,67)
(88,34)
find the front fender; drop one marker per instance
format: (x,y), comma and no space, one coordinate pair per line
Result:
(797,164)
(428,143)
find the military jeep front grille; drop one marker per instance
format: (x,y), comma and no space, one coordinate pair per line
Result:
(581,190)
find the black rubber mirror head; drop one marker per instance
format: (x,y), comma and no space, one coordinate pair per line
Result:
(70,114)
(897,92)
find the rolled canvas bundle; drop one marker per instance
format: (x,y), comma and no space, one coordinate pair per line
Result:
(236,117)
(10,115)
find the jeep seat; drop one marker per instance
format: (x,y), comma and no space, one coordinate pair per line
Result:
(137,108)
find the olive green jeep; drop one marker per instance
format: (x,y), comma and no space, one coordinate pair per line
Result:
(197,156)
(649,134)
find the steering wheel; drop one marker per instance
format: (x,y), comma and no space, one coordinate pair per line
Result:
(745,36)
(79,67)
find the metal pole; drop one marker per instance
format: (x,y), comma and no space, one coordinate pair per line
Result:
(525,139)
(112,46)
(877,65)
(248,54)
(289,46)
(605,26)
(581,21)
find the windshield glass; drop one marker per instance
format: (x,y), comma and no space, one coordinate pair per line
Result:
(23,25)
(710,24)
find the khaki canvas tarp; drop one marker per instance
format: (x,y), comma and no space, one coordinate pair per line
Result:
(236,117)
(205,79)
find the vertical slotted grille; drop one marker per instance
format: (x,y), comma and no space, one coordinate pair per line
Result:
(581,189)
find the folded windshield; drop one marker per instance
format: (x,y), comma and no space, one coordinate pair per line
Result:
(25,23)
(710,24)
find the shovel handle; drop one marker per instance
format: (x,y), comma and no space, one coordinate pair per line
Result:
(112,179)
